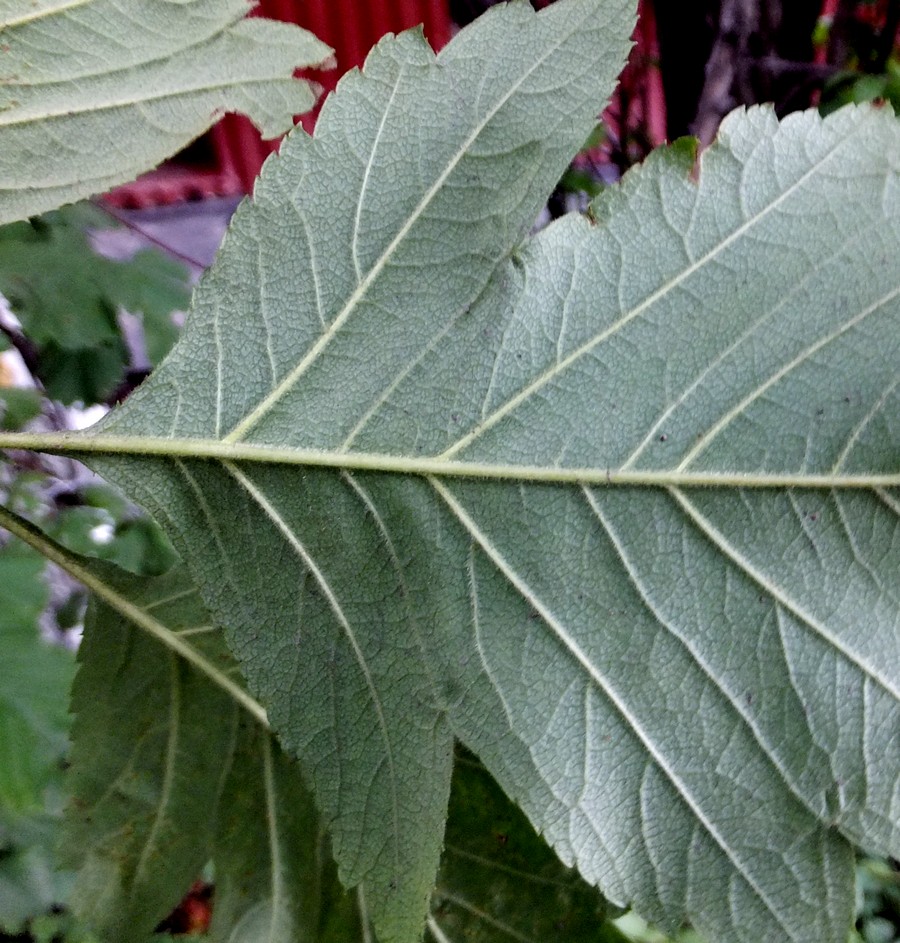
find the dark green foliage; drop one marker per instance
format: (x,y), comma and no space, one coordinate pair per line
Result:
(34,684)
(18,406)
(68,297)
(497,874)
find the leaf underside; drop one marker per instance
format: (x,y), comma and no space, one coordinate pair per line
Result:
(173,766)
(158,791)
(692,692)
(94,93)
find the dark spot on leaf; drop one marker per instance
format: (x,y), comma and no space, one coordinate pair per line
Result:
(664,438)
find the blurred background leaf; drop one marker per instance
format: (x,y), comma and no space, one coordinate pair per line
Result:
(70,301)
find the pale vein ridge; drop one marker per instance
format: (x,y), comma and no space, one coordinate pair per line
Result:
(336,608)
(385,395)
(313,265)
(174,597)
(888,500)
(197,630)
(718,360)
(551,373)
(10,119)
(62,7)
(872,572)
(435,930)
(364,920)
(734,702)
(371,509)
(863,423)
(171,761)
(477,634)
(354,241)
(764,582)
(704,443)
(574,649)
(253,418)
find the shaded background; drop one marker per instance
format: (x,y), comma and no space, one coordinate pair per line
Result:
(693,62)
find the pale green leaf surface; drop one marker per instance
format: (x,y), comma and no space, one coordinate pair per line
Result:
(691,692)
(379,750)
(93,93)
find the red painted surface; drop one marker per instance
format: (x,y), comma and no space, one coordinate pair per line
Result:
(642,82)
(636,117)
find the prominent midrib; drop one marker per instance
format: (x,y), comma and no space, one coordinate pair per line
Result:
(158,446)
(363,286)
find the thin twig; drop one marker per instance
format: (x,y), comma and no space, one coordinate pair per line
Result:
(775,65)
(25,347)
(130,224)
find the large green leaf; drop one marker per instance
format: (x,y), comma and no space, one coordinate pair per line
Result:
(174,765)
(616,505)
(95,92)
(381,755)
